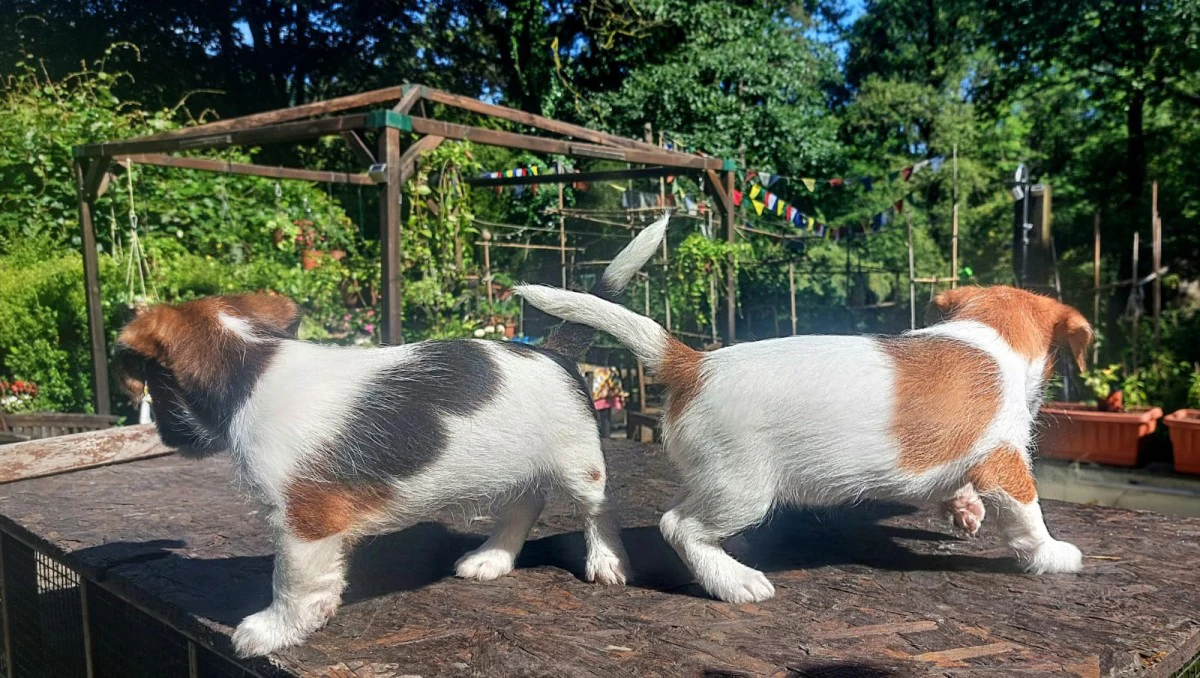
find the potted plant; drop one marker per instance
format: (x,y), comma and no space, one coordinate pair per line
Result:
(1184,426)
(1112,430)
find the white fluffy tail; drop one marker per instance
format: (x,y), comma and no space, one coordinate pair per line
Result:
(631,259)
(646,338)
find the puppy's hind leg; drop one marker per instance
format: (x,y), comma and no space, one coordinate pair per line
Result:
(583,474)
(965,509)
(495,558)
(695,528)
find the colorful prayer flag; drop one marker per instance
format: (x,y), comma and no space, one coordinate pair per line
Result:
(866,182)
(754,191)
(899,206)
(772,199)
(758,206)
(809,183)
(737,197)
(936,163)
(779,208)
(837,182)
(906,172)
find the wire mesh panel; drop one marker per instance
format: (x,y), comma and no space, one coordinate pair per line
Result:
(128,643)
(1190,670)
(211,665)
(44,613)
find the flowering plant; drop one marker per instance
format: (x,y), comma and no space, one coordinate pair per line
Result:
(17,395)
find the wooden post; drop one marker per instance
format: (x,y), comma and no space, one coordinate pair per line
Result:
(388,151)
(954,227)
(1134,291)
(487,266)
(562,227)
(912,285)
(792,292)
(730,273)
(666,284)
(91,288)
(1096,284)
(1156,240)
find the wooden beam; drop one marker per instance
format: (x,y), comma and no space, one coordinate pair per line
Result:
(730,274)
(245,122)
(227,167)
(408,159)
(412,94)
(359,148)
(60,454)
(493,137)
(568,178)
(94,178)
(524,118)
(91,292)
(388,151)
(289,131)
(714,182)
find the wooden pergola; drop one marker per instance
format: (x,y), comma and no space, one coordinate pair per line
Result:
(403,128)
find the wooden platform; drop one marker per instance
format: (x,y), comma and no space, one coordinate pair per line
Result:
(876,590)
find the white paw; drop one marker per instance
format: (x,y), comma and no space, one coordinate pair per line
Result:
(484,564)
(608,568)
(967,513)
(1053,557)
(736,583)
(265,632)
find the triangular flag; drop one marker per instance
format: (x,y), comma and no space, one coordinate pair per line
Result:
(534,169)
(899,206)
(768,179)
(691,205)
(755,190)
(809,183)
(737,197)
(508,173)
(920,166)
(936,163)
(811,223)
(866,182)
(751,175)
(836,182)
(906,172)
(758,206)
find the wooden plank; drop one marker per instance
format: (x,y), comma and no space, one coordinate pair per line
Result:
(359,148)
(493,137)
(245,122)
(60,454)
(730,275)
(91,289)
(227,167)
(412,94)
(389,237)
(532,120)
(94,178)
(718,191)
(567,178)
(288,131)
(412,154)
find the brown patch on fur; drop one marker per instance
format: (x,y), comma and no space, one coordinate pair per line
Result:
(680,371)
(595,475)
(946,395)
(318,510)
(188,339)
(1030,323)
(1005,470)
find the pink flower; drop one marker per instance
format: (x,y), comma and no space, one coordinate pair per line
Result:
(369,327)
(370,312)
(346,317)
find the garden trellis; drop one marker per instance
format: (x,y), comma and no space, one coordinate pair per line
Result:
(403,129)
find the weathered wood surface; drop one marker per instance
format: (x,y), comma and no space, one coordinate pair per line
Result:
(48,456)
(875,590)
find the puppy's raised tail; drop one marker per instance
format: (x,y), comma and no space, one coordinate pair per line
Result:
(661,352)
(572,339)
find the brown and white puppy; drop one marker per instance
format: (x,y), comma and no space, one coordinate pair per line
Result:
(338,440)
(941,414)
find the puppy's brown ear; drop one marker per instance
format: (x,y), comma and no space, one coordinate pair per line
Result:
(140,341)
(946,305)
(1074,333)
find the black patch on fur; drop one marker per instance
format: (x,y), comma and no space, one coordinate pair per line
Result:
(573,339)
(568,366)
(396,428)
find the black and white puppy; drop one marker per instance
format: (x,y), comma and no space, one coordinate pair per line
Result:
(337,441)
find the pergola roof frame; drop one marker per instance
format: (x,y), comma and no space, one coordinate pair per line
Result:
(391,163)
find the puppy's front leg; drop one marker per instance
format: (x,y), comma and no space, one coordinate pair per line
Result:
(307,588)
(1005,479)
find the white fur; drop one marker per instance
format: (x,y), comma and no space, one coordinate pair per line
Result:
(805,420)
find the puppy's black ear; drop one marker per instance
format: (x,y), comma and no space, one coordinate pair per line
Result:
(140,342)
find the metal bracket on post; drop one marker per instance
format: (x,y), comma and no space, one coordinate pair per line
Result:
(378,173)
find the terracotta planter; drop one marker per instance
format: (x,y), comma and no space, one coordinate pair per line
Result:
(311,259)
(1080,432)
(1185,438)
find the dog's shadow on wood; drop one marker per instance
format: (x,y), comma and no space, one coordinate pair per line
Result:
(226,589)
